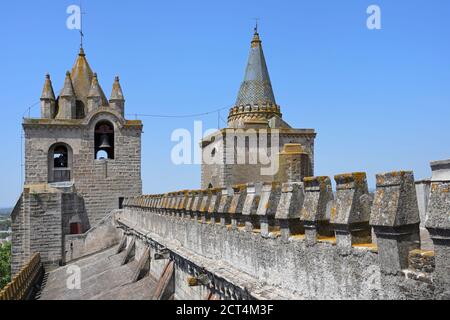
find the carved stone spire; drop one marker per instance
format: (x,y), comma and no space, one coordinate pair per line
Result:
(47,92)
(67,100)
(117,100)
(95,95)
(68,90)
(48,100)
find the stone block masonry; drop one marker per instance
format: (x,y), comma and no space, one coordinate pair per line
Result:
(101,183)
(304,263)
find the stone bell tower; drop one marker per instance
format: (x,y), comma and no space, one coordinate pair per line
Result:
(82,158)
(254,115)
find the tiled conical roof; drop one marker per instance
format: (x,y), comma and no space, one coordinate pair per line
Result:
(256,87)
(255,102)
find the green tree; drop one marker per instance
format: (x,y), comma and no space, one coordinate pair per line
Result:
(5,264)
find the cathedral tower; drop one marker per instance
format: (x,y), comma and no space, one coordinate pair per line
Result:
(82,158)
(255,114)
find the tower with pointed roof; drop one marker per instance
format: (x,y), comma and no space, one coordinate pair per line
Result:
(254,114)
(82,158)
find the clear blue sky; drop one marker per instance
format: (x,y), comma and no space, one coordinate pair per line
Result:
(379,100)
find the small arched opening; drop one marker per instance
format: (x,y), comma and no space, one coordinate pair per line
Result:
(104,141)
(59,163)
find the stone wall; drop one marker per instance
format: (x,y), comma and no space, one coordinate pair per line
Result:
(40,221)
(228,172)
(308,243)
(37,227)
(101,183)
(103,236)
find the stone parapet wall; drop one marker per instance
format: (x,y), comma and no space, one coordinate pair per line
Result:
(309,242)
(102,236)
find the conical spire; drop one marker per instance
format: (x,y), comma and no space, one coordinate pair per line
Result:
(47,92)
(82,77)
(255,104)
(256,87)
(68,90)
(116,93)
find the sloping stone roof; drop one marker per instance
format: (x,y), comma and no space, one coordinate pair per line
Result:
(102,278)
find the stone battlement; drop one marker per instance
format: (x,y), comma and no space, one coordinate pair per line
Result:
(297,234)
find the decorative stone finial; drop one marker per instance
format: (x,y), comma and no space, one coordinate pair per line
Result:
(48,100)
(116,93)
(47,92)
(68,90)
(95,90)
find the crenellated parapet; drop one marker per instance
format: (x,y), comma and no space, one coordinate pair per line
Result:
(312,217)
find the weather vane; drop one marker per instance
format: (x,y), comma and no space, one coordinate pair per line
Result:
(256,25)
(81,25)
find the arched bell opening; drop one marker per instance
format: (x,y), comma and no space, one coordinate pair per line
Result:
(104,141)
(59,163)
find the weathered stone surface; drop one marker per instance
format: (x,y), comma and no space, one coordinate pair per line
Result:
(291,201)
(102,278)
(314,214)
(438,212)
(100,237)
(206,199)
(225,200)
(423,190)
(234,259)
(351,213)
(238,200)
(270,198)
(318,193)
(395,218)
(189,201)
(395,201)
(438,224)
(349,190)
(294,163)
(251,202)
(215,201)
(422,261)
(441,170)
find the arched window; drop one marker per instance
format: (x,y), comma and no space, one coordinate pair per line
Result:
(59,163)
(104,141)
(60,157)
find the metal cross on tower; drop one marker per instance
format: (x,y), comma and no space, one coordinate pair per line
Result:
(81,25)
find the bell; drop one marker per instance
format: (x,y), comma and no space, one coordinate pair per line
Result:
(104,139)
